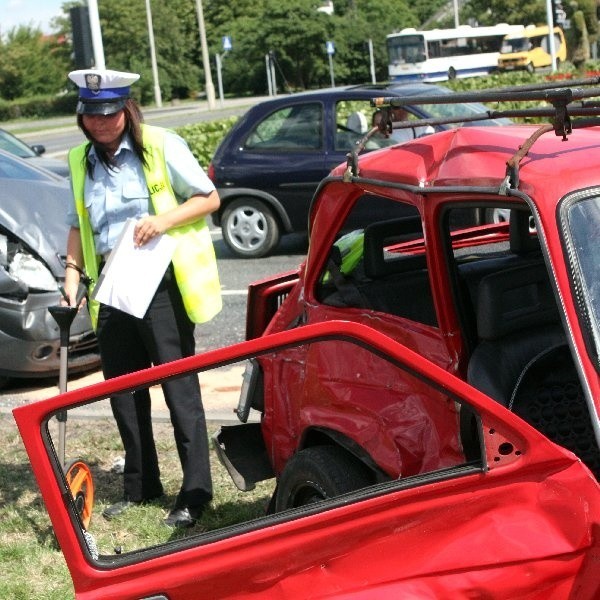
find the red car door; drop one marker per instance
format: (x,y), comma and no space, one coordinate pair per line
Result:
(521,520)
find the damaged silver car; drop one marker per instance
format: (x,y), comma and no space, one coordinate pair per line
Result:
(33,234)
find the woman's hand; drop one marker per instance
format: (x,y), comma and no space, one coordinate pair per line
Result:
(70,297)
(148,228)
(191,210)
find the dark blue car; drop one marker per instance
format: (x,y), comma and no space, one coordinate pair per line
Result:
(269,165)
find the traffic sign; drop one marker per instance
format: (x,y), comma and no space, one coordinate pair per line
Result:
(330,47)
(227,43)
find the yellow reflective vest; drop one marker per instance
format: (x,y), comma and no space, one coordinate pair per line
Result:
(194,260)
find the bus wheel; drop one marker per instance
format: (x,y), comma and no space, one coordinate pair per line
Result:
(530,68)
(451,73)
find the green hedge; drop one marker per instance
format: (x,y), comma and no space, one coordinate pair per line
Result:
(204,137)
(500,80)
(38,107)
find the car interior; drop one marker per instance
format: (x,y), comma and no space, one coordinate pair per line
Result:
(517,349)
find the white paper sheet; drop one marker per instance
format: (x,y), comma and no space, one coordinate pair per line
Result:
(131,275)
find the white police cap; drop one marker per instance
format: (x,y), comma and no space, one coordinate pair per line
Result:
(102,91)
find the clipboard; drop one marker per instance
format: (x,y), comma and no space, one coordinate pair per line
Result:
(132,274)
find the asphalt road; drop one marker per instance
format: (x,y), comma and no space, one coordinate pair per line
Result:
(236,273)
(60,134)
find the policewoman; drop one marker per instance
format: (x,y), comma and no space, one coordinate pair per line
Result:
(128,169)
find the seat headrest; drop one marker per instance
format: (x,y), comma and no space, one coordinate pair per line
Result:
(385,233)
(357,122)
(522,239)
(513,300)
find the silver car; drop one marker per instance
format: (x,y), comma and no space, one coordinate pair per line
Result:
(32,154)
(33,237)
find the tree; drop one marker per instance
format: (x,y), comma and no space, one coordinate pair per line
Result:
(31,63)
(295,32)
(515,12)
(126,45)
(374,20)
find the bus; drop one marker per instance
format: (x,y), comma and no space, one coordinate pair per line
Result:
(531,49)
(441,54)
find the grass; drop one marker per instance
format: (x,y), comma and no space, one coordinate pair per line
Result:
(32,564)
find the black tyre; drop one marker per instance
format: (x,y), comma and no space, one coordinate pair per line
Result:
(530,68)
(451,73)
(249,228)
(318,473)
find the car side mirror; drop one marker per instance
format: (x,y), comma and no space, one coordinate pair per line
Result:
(39,149)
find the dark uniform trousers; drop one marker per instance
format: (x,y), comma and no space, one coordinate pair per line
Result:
(128,344)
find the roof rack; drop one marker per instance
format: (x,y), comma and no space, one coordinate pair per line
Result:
(567,99)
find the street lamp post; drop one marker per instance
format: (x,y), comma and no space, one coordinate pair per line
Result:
(210,88)
(372,62)
(330,47)
(157,95)
(552,48)
(96,35)
(219,77)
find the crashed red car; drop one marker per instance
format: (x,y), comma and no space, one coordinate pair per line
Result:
(427,389)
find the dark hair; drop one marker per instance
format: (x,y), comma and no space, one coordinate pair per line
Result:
(133,121)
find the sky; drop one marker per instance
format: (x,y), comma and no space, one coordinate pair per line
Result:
(28,12)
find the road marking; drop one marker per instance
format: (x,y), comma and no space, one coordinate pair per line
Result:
(234,292)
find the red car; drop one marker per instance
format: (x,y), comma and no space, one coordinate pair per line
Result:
(428,390)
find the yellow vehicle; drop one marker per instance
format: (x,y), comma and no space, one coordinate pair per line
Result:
(530,49)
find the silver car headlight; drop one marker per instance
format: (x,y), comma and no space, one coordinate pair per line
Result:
(25,269)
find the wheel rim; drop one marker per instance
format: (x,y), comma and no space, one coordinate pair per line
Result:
(79,479)
(247,228)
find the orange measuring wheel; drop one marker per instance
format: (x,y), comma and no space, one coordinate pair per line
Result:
(79,479)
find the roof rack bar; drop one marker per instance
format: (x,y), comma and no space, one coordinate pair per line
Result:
(562,83)
(572,111)
(548,95)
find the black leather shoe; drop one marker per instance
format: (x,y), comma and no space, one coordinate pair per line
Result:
(183,517)
(118,508)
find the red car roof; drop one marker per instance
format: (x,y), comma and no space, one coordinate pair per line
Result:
(477,156)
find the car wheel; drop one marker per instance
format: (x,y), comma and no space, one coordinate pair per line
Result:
(530,68)
(318,473)
(249,228)
(451,73)
(497,215)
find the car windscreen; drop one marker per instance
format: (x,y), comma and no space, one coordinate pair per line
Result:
(582,212)
(13,168)
(10,143)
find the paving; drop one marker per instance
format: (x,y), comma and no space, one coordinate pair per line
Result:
(220,395)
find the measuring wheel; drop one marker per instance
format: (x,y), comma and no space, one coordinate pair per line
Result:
(81,484)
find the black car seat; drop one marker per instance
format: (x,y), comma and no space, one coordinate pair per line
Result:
(523,360)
